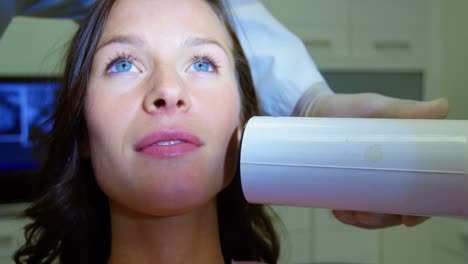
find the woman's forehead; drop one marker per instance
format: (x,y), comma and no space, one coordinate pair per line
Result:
(165,18)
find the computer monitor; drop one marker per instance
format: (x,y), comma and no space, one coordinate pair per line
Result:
(25,106)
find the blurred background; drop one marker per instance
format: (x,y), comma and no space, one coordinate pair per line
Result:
(414,49)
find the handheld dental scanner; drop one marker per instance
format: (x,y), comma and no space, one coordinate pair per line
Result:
(399,166)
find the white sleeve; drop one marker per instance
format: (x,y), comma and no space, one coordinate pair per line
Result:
(282,68)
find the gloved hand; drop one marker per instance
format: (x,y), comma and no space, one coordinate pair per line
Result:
(321,102)
(368,220)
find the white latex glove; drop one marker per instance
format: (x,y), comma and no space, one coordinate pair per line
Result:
(319,101)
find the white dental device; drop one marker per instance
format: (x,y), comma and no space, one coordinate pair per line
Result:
(399,166)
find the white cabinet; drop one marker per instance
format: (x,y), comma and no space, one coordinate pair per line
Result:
(295,233)
(325,44)
(324,13)
(323,25)
(359,34)
(335,242)
(391,49)
(401,14)
(315,236)
(390,33)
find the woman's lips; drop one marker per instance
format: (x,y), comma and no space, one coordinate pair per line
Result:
(168,144)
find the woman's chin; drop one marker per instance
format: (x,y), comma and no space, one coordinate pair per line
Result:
(170,201)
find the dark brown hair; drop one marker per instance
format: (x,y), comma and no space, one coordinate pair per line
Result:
(71,221)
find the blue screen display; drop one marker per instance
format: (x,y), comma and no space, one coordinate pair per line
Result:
(25,105)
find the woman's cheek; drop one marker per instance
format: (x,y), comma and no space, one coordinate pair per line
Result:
(108,111)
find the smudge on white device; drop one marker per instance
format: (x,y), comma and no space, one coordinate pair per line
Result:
(399,166)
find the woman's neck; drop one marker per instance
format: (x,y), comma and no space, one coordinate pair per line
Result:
(188,238)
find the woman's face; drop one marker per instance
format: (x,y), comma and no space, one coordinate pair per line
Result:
(162,106)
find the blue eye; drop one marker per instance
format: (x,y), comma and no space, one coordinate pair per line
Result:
(203,66)
(122,66)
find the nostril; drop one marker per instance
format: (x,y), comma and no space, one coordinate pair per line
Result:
(160,103)
(180,103)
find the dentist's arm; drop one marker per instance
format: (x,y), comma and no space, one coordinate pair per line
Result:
(319,102)
(288,81)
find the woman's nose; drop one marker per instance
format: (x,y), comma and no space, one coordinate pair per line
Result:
(167,94)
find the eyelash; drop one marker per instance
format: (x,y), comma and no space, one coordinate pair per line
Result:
(196,57)
(119,58)
(208,59)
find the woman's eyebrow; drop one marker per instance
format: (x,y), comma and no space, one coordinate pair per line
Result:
(137,41)
(123,39)
(197,41)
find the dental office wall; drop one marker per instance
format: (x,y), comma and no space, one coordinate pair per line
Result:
(431,48)
(454,56)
